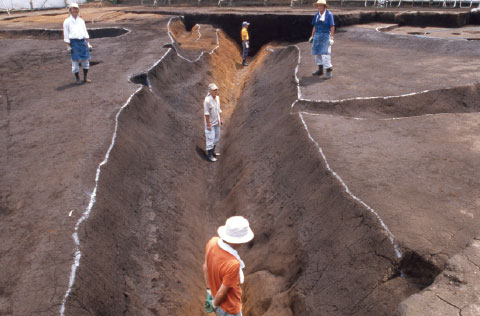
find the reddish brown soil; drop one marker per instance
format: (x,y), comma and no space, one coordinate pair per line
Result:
(317,250)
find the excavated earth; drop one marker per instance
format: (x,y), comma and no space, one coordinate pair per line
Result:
(363,191)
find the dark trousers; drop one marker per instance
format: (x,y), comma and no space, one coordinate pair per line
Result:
(245,49)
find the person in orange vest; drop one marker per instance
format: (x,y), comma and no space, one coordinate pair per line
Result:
(245,42)
(223,268)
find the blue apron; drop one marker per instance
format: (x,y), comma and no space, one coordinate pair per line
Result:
(80,50)
(320,43)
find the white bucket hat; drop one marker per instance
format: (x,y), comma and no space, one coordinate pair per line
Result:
(236,230)
(73,5)
(315,4)
(212,87)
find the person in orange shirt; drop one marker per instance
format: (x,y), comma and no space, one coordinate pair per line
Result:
(245,42)
(223,268)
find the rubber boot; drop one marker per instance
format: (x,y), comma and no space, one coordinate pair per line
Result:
(319,72)
(210,155)
(215,154)
(85,72)
(328,75)
(77,77)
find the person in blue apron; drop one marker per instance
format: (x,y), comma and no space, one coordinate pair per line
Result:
(76,37)
(322,38)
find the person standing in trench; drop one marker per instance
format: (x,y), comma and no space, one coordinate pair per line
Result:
(245,42)
(322,38)
(76,37)
(223,268)
(213,120)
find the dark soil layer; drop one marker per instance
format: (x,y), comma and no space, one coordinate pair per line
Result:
(452,100)
(317,251)
(267,27)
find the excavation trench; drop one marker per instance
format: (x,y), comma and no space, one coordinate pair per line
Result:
(317,251)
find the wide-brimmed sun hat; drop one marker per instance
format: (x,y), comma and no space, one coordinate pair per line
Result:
(212,87)
(236,230)
(73,5)
(316,4)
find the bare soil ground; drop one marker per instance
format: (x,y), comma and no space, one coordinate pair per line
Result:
(408,159)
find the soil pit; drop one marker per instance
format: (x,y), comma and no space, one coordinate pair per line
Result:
(319,248)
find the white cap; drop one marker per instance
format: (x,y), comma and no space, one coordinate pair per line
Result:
(73,5)
(212,87)
(245,23)
(236,230)
(316,4)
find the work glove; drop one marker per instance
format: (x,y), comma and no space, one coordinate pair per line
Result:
(310,40)
(330,41)
(209,306)
(69,49)
(90,47)
(247,45)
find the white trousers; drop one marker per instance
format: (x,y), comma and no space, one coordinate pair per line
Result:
(325,60)
(212,136)
(76,65)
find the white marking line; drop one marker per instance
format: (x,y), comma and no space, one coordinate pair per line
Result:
(86,214)
(182,57)
(396,248)
(199,34)
(375,119)
(398,252)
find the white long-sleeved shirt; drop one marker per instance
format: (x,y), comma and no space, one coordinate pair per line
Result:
(74,29)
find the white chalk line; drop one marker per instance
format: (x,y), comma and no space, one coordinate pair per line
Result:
(199,34)
(398,252)
(201,54)
(391,237)
(373,119)
(86,214)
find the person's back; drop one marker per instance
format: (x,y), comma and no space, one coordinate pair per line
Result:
(223,268)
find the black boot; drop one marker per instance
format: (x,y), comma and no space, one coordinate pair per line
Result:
(214,153)
(210,155)
(319,72)
(244,63)
(85,72)
(329,73)
(77,77)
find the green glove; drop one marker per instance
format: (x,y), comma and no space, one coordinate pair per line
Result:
(310,40)
(209,307)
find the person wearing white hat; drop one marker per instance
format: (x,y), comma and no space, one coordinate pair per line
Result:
(322,38)
(245,42)
(223,267)
(76,37)
(213,120)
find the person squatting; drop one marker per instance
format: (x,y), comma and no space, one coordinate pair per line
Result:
(322,38)
(76,37)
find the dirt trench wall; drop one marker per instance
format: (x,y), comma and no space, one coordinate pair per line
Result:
(143,244)
(462,99)
(139,249)
(316,251)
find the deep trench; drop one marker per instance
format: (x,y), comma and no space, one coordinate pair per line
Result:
(316,250)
